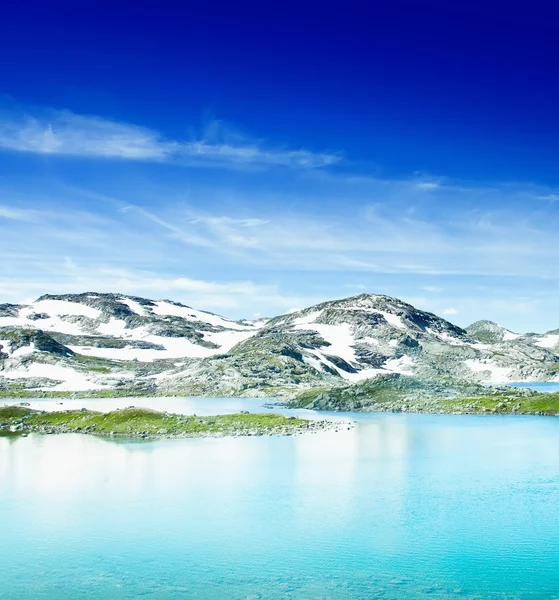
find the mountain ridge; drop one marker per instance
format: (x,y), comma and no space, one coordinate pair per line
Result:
(97,341)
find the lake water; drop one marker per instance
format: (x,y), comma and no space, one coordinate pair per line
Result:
(401,506)
(539,386)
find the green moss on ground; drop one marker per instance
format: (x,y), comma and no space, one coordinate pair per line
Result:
(144,422)
(536,404)
(396,393)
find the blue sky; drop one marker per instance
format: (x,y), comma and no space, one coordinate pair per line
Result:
(250,159)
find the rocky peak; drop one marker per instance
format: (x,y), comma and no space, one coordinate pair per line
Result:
(367,312)
(489,332)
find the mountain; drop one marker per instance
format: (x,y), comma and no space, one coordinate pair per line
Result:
(490,332)
(93,341)
(107,339)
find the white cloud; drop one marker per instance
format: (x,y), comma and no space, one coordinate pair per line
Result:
(16,214)
(428,185)
(66,133)
(244,245)
(238,298)
(449,311)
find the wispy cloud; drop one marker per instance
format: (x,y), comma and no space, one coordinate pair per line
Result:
(67,133)
(377,238)
(16,214)
(428,185)
(549,197)
(236,298)
(241,243)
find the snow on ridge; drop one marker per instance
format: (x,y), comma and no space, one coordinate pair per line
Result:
(60,308)
(226,339)
(394,320)
(390,318)
(342,342)
(403,365)
(163,307)
(51,324)
(56,311)
(446,337)
(174,348)
(509,335)
(307,319)
(339,336)
(548,341)
(134,306)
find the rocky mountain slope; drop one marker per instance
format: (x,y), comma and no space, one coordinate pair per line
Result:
(92,341)
(108,342)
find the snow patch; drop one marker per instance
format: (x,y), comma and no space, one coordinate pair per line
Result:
(369,340)
(23,351)
(313,362)
(51,324)
(134,306)
(548,341)
(60,308)
(173,348)
(445,337)
(391,319)
(71,380)
(394,320)
(403,365)
(5,347)
(509,335)
(307,319)
(115,328)
(191,314)
(227,339)
(497,374)
(339,336)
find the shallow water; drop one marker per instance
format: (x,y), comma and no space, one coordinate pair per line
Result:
(539,386)
(401,506)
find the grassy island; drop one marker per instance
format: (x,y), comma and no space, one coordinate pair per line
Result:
(146,423)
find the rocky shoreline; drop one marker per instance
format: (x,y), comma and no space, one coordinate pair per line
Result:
(396,393)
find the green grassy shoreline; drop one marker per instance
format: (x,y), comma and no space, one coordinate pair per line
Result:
(386,394)
(536,404)
(147,423)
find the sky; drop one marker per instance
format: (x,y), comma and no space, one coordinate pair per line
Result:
(254,158)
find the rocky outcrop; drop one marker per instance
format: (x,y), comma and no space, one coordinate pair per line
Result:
(17,338)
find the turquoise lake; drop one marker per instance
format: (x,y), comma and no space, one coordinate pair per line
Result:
(401,506)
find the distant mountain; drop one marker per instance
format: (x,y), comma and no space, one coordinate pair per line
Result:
(490,332)
(111,341)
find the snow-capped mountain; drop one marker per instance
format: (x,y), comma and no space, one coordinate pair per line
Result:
(90,323)
(116,328)
(105,341)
